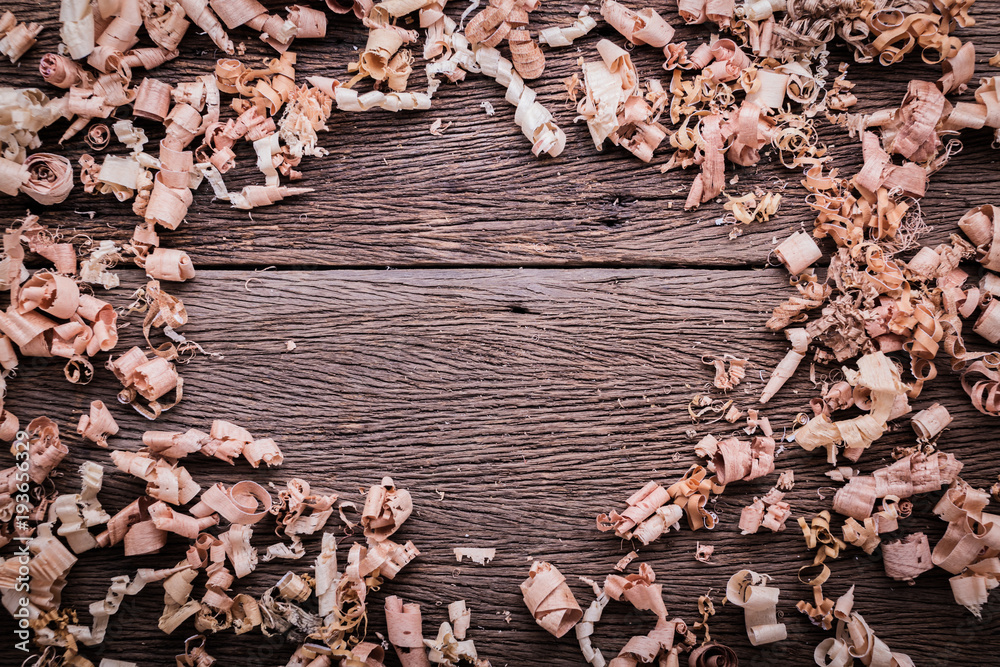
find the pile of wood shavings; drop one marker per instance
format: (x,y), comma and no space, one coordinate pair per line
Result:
(324,612)
(760,89)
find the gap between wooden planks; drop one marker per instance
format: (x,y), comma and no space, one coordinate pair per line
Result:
(533,400)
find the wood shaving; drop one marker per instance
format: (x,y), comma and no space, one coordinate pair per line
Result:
(438,127)
(727,378)
(666,641)
(506,19)
(877,374)
(550,600)
(225,441)
(928,423)
(854,639)
(643,27)
(963,551)
(753,207)
(770,511)
(98,424)
(707,610)
(535,121)
(907,558)
(450,648)
(385,510)
(16,38)
(479,556)
(403,622)
(750,591)
(737,460)
(566,35)
(624,561)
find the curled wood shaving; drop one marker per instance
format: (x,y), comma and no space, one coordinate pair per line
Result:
(348,99)
(148,378)
(305,115)
(195,654)
(120,523)
(666,641)
(384,41)
(966,551)
(506,19)
(326,575)
(727,378)
(713,655)
(48,178)
(566,35)
(643,27)
(177,603)
(913,474)
(200,14)
(641,505)
(707,447)
(854,639)
(877,374)
(798,252)
(653,510)
(609,83)
(549,599)
(585,630)
(103,610)
(95,268)
(403,623)
(45,448)
(658,643)
(168,482)
(639,590)
(237,504)
(294,588)
(928,423)
(737,460)
(226,441)
(624,561)
(460,617)
(981,381)
(78,512)
(386,508)
(49,565)
(16,38)
(449,650)
(769,511)
(707,609)
(750,591)
(980,224)
(756,206)
(535,120)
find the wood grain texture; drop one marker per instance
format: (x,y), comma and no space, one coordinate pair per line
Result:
(532,400)
(391,194)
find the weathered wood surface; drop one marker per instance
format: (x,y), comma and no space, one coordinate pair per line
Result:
(532,400)
(391,194)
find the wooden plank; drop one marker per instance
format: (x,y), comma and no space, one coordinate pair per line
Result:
(391,194)
(532,400)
